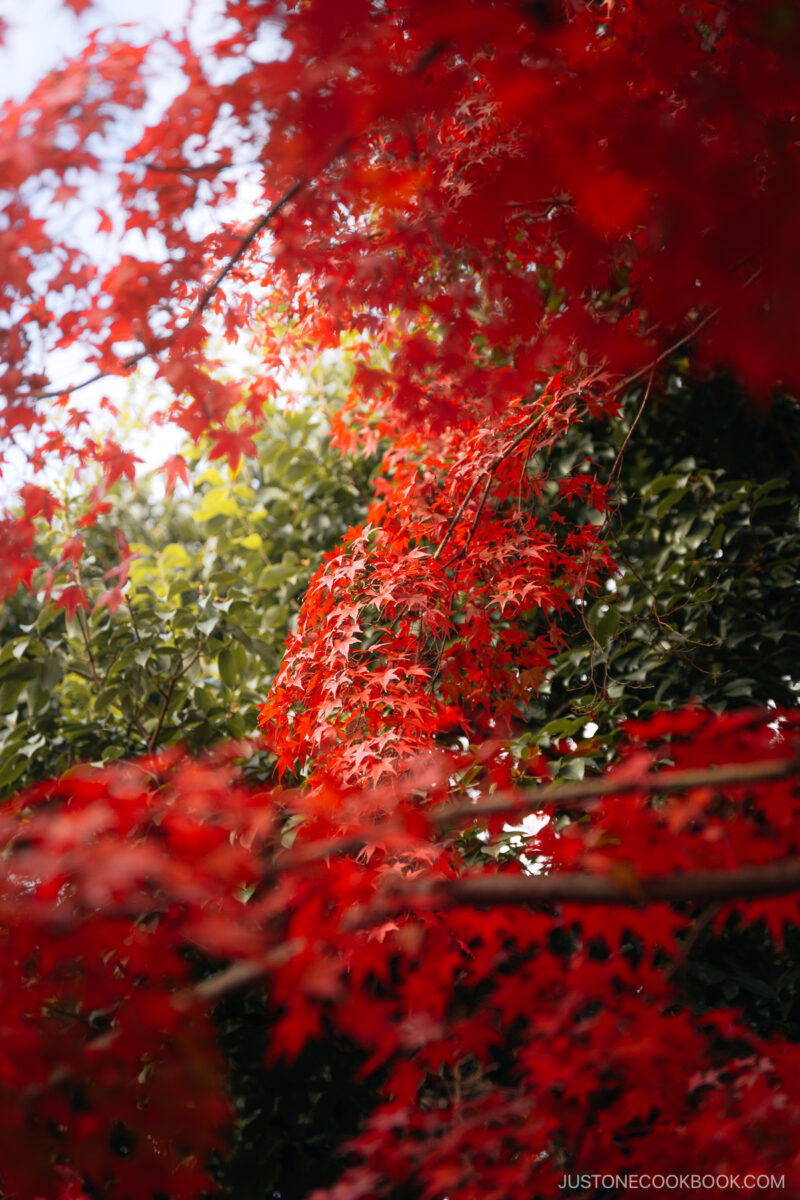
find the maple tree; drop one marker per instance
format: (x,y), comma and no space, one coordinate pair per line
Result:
(511,222)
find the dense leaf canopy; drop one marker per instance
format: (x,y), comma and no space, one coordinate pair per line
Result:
(493,868)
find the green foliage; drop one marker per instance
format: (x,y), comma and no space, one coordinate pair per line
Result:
(704,528)
(191,651)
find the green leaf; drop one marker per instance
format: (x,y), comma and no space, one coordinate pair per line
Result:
(607,625)
(226,664)
(218,502)
(277,574)
(232,663)
(669,501)
(655,486)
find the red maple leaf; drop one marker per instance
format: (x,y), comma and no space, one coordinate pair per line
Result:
(72,549)
(232,444)
(175,468)
(111,599)
(71,598)
(17,562)
(39,501)
(116,462)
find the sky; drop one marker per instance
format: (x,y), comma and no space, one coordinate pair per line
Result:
(41,34)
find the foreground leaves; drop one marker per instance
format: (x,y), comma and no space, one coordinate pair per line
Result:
(121,886)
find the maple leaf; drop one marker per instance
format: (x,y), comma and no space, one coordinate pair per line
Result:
(77,418)
(72,549)
(175,467)
(111,599)
(71,598)
(127,556)
(232,444)
(17,563)
(39,501)
(343,642)
(383,678)
(97,509)
(116,462)
(573,487)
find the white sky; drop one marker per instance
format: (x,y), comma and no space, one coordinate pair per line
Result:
(41,34)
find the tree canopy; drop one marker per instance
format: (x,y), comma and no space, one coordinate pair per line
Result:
(485,883)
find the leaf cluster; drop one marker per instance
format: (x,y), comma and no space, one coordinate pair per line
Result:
(215,580)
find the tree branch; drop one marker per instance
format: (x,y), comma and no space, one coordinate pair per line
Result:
(564,887)
(710,886)
(566,795)
(83,625)
(571,795)
(738,883)
(159,346)
(184,667)
(621,453)
(687,337)
(205,298)
(252,234)
(486,473)
(238,975)
(471,533)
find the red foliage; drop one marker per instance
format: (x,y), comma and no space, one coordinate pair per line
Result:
(523,208)
(115,881)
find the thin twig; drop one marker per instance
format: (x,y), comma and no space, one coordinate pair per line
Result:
(523,473)
(481,505)
(651,366)
(687,337)
(456,517)
(137,725)
(203,301)
(139,641)
(528,431)
(678,967)
(252,234)
(153,740)
(83,626)
(617,464)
